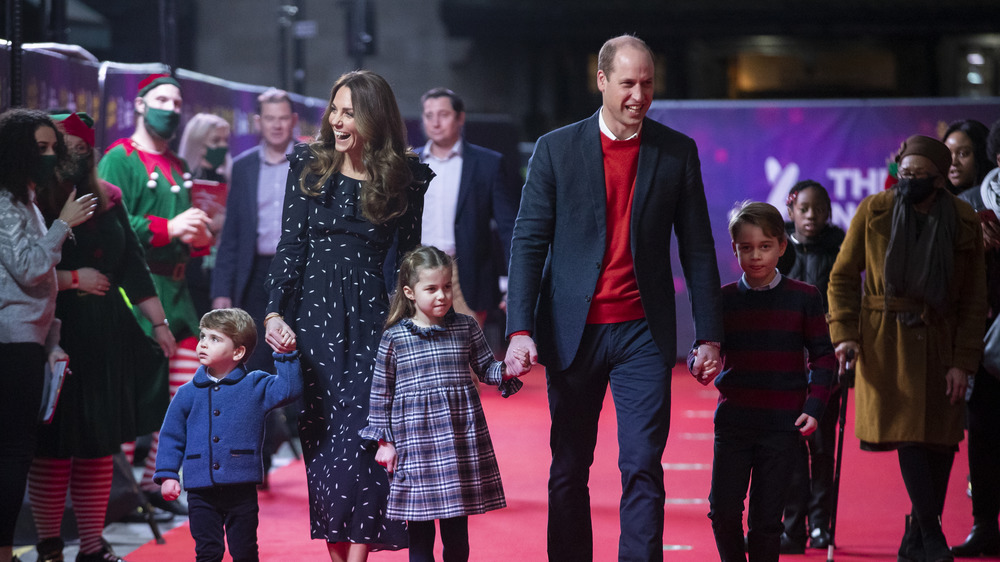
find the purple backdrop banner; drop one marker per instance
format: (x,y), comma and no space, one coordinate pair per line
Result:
(107,91)
(757,150)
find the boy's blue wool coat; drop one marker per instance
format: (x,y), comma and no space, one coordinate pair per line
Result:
(215,430)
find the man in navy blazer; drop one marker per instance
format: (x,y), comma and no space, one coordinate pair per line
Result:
(253,217)
(591,282)
(469,194)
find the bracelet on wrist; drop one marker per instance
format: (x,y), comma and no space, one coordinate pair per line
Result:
(271,315)
(75,275)
(164,323)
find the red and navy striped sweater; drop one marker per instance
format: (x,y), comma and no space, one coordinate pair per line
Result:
(766,383)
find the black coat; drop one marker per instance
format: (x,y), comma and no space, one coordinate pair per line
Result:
(812,261)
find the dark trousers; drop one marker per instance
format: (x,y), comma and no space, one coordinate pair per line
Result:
(984,448)
(767,455)
(810,486)
(625,356)
(254,301)
(22,375)
(224,512)
(454,539)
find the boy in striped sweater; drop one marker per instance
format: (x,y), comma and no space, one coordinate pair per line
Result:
(769,398)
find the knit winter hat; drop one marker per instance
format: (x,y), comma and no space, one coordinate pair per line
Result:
(934,150)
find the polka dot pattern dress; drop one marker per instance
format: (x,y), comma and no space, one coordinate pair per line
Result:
(327,282)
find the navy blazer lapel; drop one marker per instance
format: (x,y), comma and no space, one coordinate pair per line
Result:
(649,156)
(592,162)
(253,194)
(465,184)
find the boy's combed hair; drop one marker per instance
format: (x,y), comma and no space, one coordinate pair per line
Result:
(421,257)
(758,214)
(236,324)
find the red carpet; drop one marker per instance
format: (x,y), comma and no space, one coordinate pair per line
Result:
(873,500)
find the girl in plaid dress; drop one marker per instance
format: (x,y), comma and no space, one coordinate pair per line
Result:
(425,411)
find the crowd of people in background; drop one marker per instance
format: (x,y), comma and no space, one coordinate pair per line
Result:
(337,268)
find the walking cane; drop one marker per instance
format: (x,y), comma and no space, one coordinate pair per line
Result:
(846,382)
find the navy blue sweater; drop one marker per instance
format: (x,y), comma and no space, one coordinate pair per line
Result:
(214,430)
(767,382)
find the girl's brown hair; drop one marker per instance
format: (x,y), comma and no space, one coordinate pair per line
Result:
(421,257)
(379,123)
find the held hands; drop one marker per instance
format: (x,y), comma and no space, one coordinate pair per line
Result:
(77,211)
(707,363)
(191,227)
(170,489)
(386,456)
(806,424)
(279,335)
(521,356)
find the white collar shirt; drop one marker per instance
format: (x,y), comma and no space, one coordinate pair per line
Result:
(441,199)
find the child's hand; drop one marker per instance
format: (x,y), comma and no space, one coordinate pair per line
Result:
(170,489)
(386,456)
(704,364)
(279,335)
(806,424)
(521,355)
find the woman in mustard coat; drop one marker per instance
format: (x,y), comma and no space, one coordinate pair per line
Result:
(916,328)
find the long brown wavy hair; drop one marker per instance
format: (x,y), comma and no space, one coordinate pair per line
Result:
(379,123)
(419,258)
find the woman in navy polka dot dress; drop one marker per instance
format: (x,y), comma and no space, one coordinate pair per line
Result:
(350,195)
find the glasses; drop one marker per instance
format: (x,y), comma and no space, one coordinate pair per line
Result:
(907,174)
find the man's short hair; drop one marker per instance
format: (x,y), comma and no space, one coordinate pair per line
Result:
(236,324)
(456,102)
(273,95)
(758,214)
(606,56)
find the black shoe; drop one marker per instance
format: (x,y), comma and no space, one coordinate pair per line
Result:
(156,500)
(911,549)
(50,549)
(791,546)
(103,555)
(138,515)
(819,538)
(982,540)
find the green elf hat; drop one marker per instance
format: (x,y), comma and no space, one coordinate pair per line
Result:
(77,124)
(154,80)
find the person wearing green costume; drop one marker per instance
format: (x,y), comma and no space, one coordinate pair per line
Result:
(155,186)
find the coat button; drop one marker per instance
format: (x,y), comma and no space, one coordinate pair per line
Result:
(216,413)
(215,388)
(598,265)
(215,439)
(215,466)
(587,298)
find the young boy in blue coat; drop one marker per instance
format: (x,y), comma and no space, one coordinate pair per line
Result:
(214,429)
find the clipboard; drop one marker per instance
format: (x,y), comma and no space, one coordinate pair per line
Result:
(53,386)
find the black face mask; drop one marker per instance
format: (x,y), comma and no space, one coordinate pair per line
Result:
(77,169)
(915,190)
